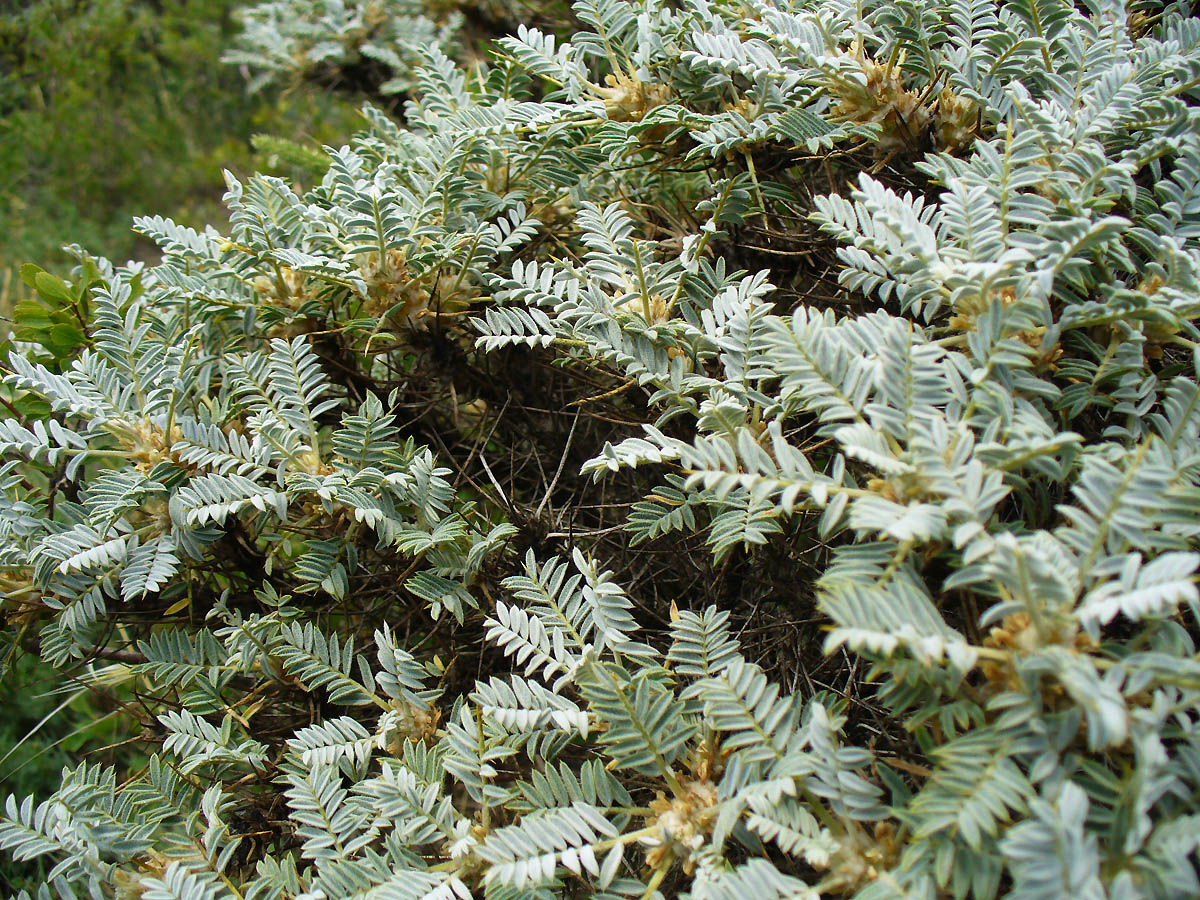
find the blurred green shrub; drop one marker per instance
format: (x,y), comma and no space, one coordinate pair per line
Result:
(113,108)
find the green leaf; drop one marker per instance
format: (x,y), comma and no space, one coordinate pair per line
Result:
(53,289)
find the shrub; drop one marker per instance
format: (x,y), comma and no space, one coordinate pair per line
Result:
(958,387)
(374,45)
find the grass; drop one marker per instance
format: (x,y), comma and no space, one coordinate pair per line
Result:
(115,108)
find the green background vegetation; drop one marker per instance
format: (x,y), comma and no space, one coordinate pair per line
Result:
(116,108)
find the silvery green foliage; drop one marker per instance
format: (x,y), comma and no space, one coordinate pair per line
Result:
(286,39)
(1000,449)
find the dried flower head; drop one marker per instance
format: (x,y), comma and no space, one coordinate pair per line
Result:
(681,824)
(877,96)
